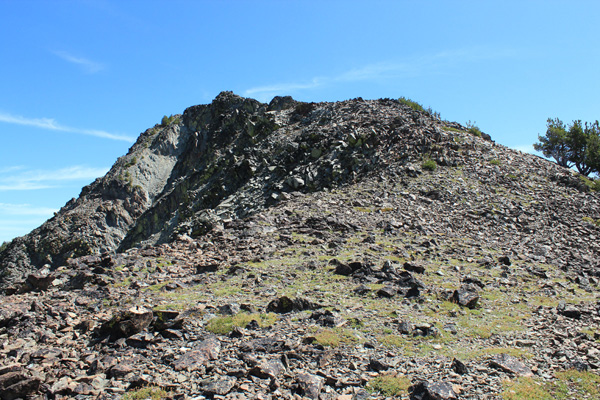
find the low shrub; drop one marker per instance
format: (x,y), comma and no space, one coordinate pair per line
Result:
(593,184)
(412,104)
(152,393)
(429,165)
(170,120)
(474,129)
(389,385)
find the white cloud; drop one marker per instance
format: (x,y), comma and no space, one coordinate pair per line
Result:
(408,68)
(52,125)
(26,209)
(89,66)
(286,87)
(11,169)
(526,148)
(38,179)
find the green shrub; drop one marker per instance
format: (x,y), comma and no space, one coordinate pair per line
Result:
(474,129)
(131,162)
(495,162)
(172,119)
(412,104)
(593,184)
(429,165)
(418,107)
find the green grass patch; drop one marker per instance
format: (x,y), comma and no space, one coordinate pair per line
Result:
(592,220)
(487,351)
(223,325)
(147,393)
(450,129)
(568,385)
(337,336)
(157,287)
(526,389)
(389,385)
(583,384)
(126,282)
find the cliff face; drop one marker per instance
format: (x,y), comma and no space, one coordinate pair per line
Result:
(105,211)
(231,158)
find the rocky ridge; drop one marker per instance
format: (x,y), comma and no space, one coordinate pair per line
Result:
(220,161)
(308,251)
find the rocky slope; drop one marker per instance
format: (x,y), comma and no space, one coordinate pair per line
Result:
(345,250)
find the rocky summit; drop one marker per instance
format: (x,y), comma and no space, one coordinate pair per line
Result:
(350,250)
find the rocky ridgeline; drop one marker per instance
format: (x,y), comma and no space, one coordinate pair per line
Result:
(226,160)
(297,250)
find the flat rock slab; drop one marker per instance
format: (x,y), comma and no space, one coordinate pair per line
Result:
(16,384)
(511,365)
(206,351)
(220,387)
(268,369)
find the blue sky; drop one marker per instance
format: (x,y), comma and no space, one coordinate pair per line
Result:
(81,79)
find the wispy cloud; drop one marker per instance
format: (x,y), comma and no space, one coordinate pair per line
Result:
(38,179)
(11,169)
(25,209)
(89,66)
(286,87)
(526,148)
(52,125)
(411,67)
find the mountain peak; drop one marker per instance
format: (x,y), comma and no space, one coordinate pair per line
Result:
(230,158)
(251,250)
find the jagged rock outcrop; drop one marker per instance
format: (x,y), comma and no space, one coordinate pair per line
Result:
(105,211)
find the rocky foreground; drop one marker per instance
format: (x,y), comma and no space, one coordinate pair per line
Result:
(465,271)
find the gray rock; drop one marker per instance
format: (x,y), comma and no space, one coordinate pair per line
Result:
(465,297)
(387,291)
(510,364)
(432,391)
(127,322)
(221,386)
(309,385)
(202,353)
(285,304)
(268,369)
